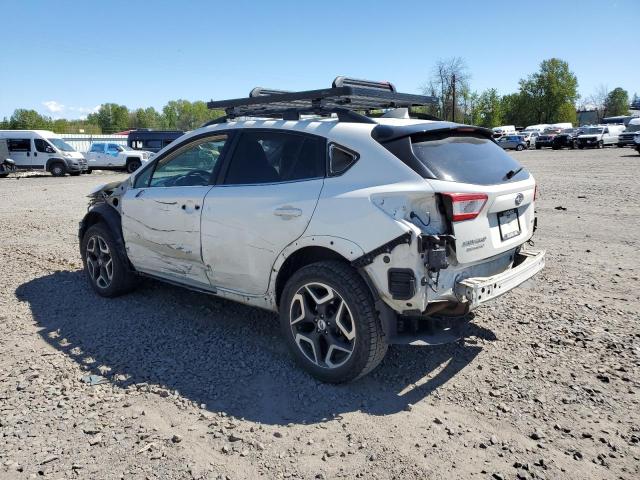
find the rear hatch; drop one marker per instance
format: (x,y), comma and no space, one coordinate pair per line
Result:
(485,194)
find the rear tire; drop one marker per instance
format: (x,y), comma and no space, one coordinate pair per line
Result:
(108,273)
(133,164)
(519,148)
(58,169)
(329,321)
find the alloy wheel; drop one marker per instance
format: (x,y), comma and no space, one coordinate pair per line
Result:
(322,325)
(99,261)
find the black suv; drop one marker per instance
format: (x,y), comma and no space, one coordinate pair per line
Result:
(567,138)
(546,139)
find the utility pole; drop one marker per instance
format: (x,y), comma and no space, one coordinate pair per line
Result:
(453,110)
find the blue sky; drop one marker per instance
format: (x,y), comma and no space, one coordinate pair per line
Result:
(64,58)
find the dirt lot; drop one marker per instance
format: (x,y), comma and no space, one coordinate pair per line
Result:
(546,386)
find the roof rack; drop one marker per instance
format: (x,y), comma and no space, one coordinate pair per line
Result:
(345,97)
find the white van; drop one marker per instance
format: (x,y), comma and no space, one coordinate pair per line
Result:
(540,127)
(599,136)
(562,125)
(41,149)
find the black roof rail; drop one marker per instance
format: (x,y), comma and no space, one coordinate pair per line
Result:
(344,98)
(261,92)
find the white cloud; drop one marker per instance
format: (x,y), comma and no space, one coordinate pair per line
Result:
(53,106)
(58,110)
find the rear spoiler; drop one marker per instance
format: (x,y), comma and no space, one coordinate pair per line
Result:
(389,133)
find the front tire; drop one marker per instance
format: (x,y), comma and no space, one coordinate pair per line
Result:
(58,169)
(519,148)
(329,321)
(133,164)
(107,271)
(600,144)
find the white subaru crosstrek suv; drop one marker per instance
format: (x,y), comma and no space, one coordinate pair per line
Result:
(360,231)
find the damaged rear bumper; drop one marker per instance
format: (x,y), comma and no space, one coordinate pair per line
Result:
(478,290)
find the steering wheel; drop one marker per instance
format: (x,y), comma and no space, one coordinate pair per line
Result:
(201,175)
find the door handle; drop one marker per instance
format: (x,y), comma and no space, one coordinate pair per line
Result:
(287,212)
(139,194)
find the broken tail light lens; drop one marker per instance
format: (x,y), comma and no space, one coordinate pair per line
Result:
(465,206)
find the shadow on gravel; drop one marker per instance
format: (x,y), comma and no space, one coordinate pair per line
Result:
(222,354)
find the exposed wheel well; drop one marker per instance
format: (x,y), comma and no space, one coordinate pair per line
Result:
(301,258)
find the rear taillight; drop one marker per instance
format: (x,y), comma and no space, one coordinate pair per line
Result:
(465,206)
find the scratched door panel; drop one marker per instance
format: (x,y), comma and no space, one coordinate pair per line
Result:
(245,227)
(161,228)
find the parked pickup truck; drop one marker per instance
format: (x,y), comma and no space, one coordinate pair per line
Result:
(115,157)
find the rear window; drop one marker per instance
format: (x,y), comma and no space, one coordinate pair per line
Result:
(466,159)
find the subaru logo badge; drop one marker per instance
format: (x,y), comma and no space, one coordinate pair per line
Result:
(519,199)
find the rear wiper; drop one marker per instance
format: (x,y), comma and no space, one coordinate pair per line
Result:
(512,173)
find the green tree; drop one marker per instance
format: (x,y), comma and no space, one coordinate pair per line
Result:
(617,102)
(185,115)
(515,111)
(489,109)
(111,118)
(23,119)
(145,118)
(551,91)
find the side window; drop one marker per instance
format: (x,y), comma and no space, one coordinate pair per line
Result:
(271,157)
(153,144)
(113,148)
(97,147)
(42,146)
(190,166)
(340,159)
(19,145)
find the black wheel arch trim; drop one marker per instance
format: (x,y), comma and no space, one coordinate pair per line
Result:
(111,218)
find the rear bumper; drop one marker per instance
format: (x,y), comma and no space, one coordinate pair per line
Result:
(478,290)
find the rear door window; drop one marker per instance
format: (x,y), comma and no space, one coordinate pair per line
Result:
(466,158)
(19,145)
(270,157)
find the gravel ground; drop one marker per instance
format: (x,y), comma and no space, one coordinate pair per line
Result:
(545,386)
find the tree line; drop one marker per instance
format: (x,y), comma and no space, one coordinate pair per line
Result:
(549,95)
(111,118)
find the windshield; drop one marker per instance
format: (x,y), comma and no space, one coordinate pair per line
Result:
(633,127)
(467,159)
(61,144)
(591,131)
